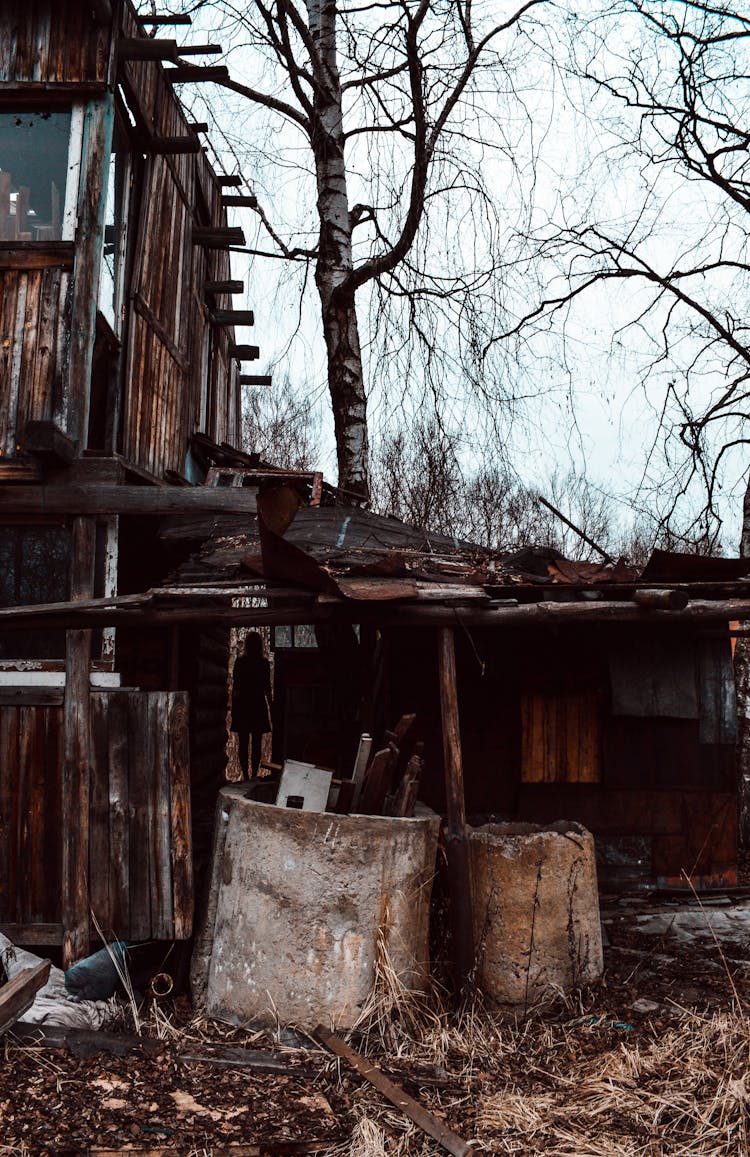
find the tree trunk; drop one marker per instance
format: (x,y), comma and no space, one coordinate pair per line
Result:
(742,681)
(334,269)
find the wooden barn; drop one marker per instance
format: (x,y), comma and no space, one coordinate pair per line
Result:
(117,349)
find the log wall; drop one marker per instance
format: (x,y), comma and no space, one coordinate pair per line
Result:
(140,856)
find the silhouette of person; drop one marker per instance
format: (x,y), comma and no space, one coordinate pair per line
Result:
(251,698)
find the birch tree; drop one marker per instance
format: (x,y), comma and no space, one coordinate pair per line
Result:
(384,94)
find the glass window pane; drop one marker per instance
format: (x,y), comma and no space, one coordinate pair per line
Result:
(33,171)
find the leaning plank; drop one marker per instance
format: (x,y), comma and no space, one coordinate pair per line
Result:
(434,1128)
(18,994)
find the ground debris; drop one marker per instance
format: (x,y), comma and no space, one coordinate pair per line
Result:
(585,1076)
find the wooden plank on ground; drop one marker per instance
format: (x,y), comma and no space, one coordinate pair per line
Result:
(18,994)
(430,1124)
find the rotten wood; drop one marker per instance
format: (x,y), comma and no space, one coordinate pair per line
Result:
(425,1120)
(457,846)
(406,797)
(377,782)
(18,994)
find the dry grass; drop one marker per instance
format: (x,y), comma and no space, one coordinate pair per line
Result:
(568,1079)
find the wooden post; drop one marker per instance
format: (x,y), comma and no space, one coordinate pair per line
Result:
(457,847)
(77,755)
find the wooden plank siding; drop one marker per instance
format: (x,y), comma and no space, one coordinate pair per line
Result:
(34,318)
(52,44)
(561,738)
(179,376)
(140,856)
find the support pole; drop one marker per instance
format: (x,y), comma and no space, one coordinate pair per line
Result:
(457,846)
(77,755)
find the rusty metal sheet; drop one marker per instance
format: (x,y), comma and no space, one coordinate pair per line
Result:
(667,566)
(377,590)
(564,570)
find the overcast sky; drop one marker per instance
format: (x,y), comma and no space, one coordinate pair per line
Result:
(593,381)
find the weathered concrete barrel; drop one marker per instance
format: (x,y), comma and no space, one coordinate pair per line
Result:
(298,902)
(536,909)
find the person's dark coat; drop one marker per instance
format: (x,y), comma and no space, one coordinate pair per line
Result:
(251,693)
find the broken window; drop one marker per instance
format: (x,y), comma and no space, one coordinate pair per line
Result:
(111,281)
(38,174)
(300,636)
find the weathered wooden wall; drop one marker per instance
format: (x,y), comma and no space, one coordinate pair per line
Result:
(140,857)
(56,43)
(179,372)
(34,331)
(180,375)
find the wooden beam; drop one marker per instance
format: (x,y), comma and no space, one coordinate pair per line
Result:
(200,50)
(187,74)
(48,441)
(223,286)
(19,470)
(198,126)
(255,380)
(157,21)
(171,146)
(229,181)
(77,755)
(18,994)
(216,237)
(664,600)
(146,48)
(232,317)
(90,499)
(245,201)
(245,353)
(457,844)
(33,255)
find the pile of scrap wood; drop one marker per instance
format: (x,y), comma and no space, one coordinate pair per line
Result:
(388,783)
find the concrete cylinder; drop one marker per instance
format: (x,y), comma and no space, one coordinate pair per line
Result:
(536,909)
(299,903)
